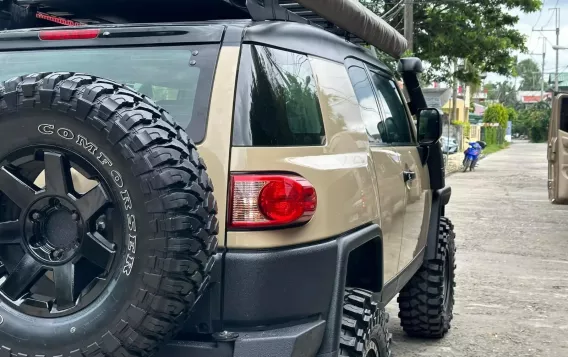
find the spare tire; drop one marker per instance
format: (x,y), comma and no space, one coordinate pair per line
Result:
(110,265)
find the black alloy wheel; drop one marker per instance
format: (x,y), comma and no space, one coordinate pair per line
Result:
(107,219)
(65,237)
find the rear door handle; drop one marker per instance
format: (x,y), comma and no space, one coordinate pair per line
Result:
(409,176)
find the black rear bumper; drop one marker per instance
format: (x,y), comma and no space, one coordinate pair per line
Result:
(276,303)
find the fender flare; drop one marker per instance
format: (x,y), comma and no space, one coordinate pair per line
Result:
(440,198)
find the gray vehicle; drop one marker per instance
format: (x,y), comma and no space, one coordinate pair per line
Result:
(449,145)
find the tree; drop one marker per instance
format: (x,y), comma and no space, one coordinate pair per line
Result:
(512,114)
(518,124)
(478,35)
(496,113)
(535,120)
(503,92)
(530,75)
(491,90)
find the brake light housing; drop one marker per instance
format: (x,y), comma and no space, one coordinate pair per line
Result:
(68,34)
(270,201)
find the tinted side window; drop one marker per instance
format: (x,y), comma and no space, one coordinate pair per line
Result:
(368,105)
(396,118)
(276,102)
(563,125)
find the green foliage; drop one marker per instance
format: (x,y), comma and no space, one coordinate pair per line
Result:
(530,75)
(466,127)
(491,135)
(480,32)
(517,121)
(491,89)
(496,113)
(503,92)
(533,121)
(512,114)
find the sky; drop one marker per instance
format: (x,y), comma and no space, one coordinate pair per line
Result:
(543,19)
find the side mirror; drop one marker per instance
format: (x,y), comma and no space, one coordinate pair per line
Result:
(429,126)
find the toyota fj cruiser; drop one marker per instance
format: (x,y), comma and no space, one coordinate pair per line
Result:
(116,126)
(558,150)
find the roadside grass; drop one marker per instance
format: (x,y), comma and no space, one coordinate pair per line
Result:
(493,148)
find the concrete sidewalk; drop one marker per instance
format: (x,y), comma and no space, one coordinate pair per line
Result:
(512,263)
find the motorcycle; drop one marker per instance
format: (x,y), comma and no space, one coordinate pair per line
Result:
(472,154)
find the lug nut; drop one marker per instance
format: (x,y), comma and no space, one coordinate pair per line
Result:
(74,216)
(57,254)
(36,216)
(101,226)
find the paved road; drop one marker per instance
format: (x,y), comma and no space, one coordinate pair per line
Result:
(512,263)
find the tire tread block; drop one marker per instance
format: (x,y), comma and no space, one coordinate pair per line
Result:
(363,320)
(179,198)
(421,301)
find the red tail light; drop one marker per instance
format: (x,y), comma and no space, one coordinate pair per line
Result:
(60,35)
(270,201)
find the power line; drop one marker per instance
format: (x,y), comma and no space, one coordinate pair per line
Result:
(394,13)
(555,5)
(395,7)
(537,20)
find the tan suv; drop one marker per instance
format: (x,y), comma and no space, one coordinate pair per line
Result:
(328,201)
(558,150)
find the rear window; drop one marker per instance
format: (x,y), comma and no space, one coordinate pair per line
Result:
(563,125)
(178,78)
(276,102)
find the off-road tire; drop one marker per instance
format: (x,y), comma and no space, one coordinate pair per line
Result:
(425,309)
(364,326)
(172,194)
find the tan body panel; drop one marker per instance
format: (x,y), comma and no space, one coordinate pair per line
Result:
(392,198)
(341,170)
(557,154)
(215,149)
(405,207)
(562,167)
(418,207)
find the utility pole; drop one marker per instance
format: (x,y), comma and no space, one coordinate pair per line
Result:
(454,111)
(542,68)
(409,23)
(556,48)
(557,13)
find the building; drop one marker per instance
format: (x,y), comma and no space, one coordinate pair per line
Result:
(562,81)
(532,97)
(441,98)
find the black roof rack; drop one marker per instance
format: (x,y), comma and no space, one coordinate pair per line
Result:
(346,18)
(291,10)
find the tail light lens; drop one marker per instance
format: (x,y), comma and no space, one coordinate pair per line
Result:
(266,201)
(60,35)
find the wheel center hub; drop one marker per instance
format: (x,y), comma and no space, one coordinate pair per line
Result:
(60,230)
(53,230)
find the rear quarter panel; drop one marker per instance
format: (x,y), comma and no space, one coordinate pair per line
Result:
(216,147)
(341,171)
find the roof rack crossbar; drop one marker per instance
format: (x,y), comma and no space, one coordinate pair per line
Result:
(356,23)
(261,10)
